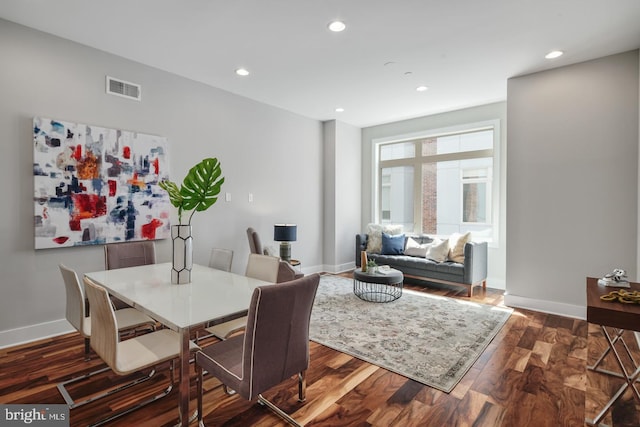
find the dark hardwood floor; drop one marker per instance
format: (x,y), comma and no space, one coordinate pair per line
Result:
(532,374)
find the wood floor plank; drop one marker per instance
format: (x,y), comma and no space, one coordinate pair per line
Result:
(532,374)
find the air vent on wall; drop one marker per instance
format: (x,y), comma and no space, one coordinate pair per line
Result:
(123,88)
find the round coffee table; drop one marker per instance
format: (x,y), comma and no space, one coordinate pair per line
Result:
(378,287)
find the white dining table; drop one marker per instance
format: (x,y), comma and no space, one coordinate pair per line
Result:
(213,296)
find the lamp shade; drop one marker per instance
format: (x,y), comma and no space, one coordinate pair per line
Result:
(285,232)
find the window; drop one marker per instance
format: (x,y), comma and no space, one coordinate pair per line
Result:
(440,183)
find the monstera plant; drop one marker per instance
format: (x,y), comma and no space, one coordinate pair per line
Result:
(199,190)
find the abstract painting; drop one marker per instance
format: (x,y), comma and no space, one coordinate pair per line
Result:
(95,185)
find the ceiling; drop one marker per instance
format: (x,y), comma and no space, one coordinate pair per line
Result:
(462,50)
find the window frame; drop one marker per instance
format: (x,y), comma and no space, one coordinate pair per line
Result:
(418,160)
(488,180)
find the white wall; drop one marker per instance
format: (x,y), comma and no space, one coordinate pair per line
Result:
(342,192)
(274,154)
(572,193)
(496,111)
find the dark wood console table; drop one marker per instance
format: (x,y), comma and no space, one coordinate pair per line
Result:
(619,317)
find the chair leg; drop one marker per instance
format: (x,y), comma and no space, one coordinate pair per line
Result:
(279,412)
(302,389)
(200,378)
(87,349)
(62,387)
(162,394)
(302,386)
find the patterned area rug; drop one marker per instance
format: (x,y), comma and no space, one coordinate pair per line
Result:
(431,339)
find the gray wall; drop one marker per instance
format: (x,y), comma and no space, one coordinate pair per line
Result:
(274,154)
(342,193)
(572,180)
(496,111)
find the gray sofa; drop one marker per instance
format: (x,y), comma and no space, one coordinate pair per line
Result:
(473,272)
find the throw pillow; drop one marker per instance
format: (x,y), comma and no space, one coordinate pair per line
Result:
(438,250)
(374,233)
(392,245)
(456,246)
(374,238)
(416,249)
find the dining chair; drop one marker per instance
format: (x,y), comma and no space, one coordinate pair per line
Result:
(221,259)
(274,347)
(131,355)
(128,254)
(262,267)
(127,319)
(286,272)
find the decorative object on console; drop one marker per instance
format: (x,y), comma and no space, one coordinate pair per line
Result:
(198,192)
(95,185)
(617,279)
(625,297)
(285,234)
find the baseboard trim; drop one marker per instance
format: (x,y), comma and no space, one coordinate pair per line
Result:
(27,334)
(339,268)
(550,307)
(494,283)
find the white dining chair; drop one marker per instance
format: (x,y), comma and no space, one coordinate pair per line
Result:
(262,267)
(221,259)
(131,355)
(77,314)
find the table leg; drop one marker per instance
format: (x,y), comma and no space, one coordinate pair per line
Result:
(629,379)
(183,388)
(618,337)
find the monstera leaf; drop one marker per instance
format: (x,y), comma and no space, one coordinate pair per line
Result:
(199,190)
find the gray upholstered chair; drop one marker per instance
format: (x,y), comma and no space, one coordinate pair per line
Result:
(128,254)
(221,259)
(286,272)
(262,267)
(274,347)
(131,355)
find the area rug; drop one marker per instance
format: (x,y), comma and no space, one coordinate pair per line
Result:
(428,338)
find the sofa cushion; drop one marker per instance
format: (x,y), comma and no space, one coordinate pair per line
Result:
(456,246)
(438,250)
(392,244)
(374,235)
(422,267)
(416,249)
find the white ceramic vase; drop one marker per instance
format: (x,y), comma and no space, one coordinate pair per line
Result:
(182,254)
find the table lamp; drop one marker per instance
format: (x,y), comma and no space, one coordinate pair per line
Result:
(285,234)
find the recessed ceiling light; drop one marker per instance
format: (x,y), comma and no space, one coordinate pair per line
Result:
(339,110)
(554,54)
(242,72)
(337,26)
(421,88)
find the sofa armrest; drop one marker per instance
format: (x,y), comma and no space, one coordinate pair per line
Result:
(361,245)
(475,262)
